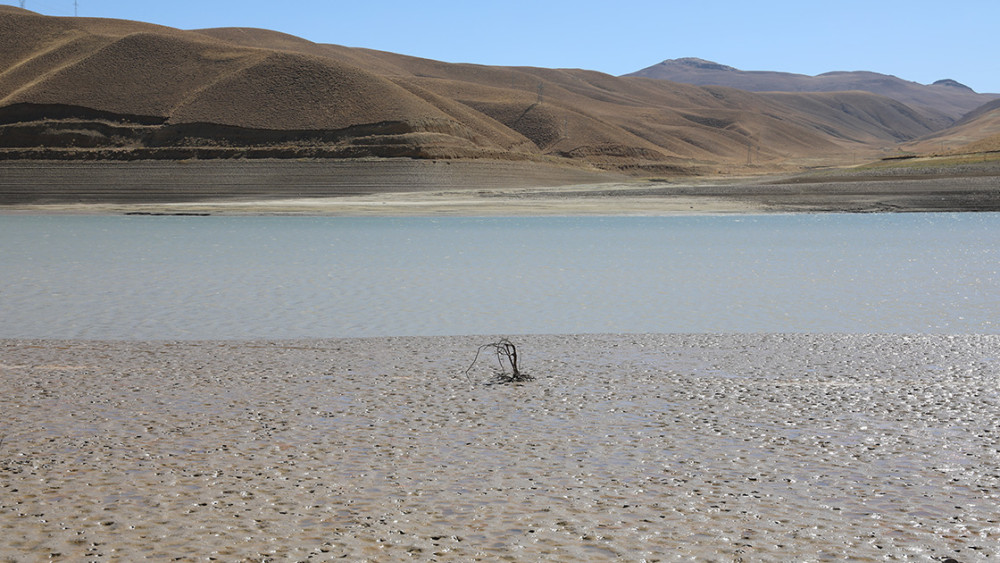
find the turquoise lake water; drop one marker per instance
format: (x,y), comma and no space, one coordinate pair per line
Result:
(141,277)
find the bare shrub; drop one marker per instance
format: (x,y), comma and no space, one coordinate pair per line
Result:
(506,354)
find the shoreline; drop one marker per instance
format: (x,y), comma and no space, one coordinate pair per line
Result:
(762,446)
(509,202)
(468,188)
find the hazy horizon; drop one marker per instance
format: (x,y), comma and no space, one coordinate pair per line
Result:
(912,40)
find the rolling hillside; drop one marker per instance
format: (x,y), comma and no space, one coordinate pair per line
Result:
(78,88)
(977,132)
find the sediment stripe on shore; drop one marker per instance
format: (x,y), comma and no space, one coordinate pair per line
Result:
(463,187)
(183,181)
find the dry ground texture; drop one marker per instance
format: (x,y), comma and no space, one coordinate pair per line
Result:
(637,447)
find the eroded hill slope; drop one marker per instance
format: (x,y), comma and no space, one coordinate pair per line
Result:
(82,88)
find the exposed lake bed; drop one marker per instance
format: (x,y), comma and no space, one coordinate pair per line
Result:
(768,446)
(457,187)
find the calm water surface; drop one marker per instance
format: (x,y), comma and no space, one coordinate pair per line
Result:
(118,277)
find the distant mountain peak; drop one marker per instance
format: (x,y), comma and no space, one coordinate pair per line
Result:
(697,63)
(952,83)
(943,102)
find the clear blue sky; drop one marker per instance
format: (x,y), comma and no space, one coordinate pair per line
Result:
(916,40)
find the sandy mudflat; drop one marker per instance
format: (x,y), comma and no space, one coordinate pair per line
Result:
(761,447)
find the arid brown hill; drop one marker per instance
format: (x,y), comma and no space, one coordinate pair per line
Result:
(111,89)
(977,132)
(944,102)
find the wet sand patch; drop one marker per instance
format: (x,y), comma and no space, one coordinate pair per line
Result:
(773,447)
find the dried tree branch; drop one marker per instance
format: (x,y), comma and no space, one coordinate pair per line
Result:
(504,349)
